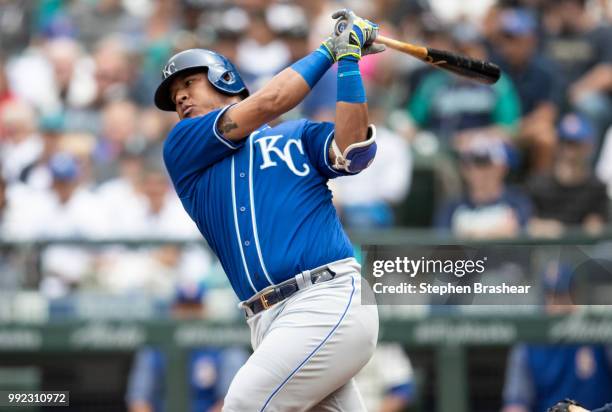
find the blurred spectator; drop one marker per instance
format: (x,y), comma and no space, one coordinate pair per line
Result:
(140,205)
(387,381)
(571,195)
(211,370)
(488,209)
(21,144)
(118,132)
(114,78)
(5,91)
(154,211)
(580,50)
(70,203)
(604,164)
(64,211)
(15,16)
(154,45)
(225,29)
(453,107)
(537,376)
(11,269)
(113,71)
(37,173)
(120,195)
(73,82)
(53,75)
(96,19)
(450,10)
(3,203)
(381,186)
(535,83)
(260,53)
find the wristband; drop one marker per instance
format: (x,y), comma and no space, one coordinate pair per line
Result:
(350,84)
(313,66)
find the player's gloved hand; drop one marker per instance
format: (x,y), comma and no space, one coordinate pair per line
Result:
(567,405)
(363,31)
(353,36)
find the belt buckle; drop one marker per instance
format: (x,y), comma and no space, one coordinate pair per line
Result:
(264,300)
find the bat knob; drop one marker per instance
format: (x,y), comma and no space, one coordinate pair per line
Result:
(340,26)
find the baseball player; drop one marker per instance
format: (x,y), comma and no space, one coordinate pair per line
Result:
(258,194)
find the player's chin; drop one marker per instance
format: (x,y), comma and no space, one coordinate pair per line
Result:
(191,114)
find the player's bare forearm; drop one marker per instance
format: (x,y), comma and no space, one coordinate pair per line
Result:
(285,91)
(351,123)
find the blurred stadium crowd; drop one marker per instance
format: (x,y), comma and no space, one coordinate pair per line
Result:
(80,141)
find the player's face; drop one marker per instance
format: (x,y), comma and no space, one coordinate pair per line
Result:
(193,95)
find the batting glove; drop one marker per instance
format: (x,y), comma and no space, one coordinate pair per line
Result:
(363,32)
(353,36)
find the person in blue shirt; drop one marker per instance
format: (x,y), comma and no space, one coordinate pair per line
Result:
(258,194)
(536,83)
(210,369)
(488,209)
(538,376)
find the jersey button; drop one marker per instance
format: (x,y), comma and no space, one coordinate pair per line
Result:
(242,208)
(247,243)
(242,174)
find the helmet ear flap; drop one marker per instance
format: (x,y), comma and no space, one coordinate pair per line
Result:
(228,77)
(221,77)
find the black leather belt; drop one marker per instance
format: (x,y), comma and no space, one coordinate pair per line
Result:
(284,290)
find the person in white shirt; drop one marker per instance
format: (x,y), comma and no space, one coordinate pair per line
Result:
(21,143)
(387,381)
(385,183)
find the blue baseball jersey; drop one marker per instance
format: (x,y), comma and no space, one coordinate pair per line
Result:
(262,203)
(580,372)
(540,375)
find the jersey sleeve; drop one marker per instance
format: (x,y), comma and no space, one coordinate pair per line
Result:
(192,146)
(317,139)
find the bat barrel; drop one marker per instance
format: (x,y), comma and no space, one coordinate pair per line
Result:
(479,70)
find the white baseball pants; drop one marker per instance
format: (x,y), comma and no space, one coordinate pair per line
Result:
(308,348)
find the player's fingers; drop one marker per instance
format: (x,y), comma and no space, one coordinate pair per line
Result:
(342,13)
(374,48)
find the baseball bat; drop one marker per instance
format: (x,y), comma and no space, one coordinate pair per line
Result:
(478,70)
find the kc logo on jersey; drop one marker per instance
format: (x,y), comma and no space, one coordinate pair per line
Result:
(268,146)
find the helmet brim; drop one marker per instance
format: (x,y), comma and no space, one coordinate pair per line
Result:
(162,99)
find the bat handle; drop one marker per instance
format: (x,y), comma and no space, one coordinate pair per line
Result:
(417,51)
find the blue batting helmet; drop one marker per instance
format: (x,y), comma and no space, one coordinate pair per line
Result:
(221,73)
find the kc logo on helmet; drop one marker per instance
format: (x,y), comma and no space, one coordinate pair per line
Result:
(169,70)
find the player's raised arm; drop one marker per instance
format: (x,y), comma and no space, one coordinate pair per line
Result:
(354,144)
(281,94)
